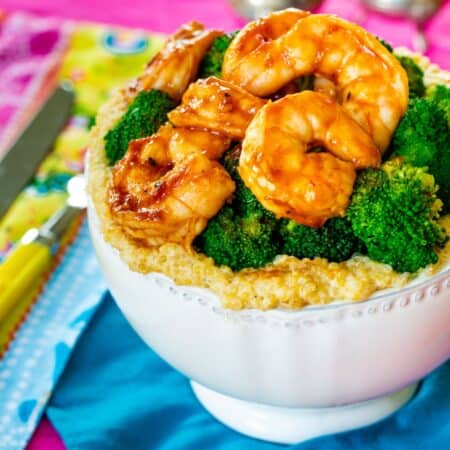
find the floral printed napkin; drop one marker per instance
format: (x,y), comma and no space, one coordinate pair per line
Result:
(35,54)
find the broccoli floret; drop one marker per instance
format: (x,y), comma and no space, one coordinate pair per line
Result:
(335,240)
(146,113)
(211,64)
(393,210)
(243,234)
(305,83)
(238,241)
(244,199)
(414,72)
(415,76)
(386,44)
(422,138)
(441,95)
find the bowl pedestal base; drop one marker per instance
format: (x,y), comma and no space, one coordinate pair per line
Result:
(294,425)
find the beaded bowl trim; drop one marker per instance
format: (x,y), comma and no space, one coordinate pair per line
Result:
(436,288)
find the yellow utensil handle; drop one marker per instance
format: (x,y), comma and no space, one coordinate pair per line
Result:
(16,315)
(19,271)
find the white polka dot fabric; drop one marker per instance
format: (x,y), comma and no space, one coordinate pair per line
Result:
(37,356)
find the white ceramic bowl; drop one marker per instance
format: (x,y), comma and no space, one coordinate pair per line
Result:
(257,370)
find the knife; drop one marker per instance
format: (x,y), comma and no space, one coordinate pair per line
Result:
(23,158)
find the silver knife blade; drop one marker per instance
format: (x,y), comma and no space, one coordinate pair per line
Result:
(23,158)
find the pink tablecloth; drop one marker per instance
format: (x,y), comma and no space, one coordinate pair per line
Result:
(166,15)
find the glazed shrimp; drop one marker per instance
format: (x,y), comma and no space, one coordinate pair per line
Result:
(216,105)
(168,185)
(307,187)
(177,143)
(370,83)
(176,65)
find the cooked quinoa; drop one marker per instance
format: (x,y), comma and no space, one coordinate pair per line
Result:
(288,282)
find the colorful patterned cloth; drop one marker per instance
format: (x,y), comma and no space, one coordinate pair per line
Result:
(30,47)
(93,60)
(35,54)
(39,352)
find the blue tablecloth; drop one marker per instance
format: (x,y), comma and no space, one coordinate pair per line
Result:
(116,394)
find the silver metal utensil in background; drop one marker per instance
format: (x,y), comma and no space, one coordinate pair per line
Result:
(52,231)
(25,265)
(252,9)
(417,10)
(23,158)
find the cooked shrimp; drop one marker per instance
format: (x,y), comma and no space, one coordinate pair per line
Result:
(167,187)
(370,83)
(176,143)
(176,65)
(266,29)
(216,105)
(325,86)
(307,187)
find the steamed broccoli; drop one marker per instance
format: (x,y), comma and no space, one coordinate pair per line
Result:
(423,139)
(441,95)
(305,83)
(386,44)
(393,211)
(242,234)
(334,241)
(239,240)
(415,76)
(414,72)
(146,113)
(211,64)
